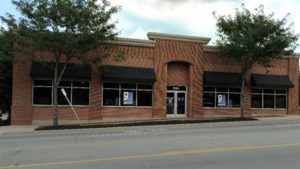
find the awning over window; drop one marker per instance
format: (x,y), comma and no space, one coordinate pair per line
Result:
(271,81)
(72,71)
(116,74)
(222,79)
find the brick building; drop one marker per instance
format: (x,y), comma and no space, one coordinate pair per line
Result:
(167,76)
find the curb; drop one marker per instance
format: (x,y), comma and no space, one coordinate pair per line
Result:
(142,123)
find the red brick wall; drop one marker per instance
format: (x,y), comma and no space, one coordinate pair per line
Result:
(287,66)
(23,112)
(168,51)
(178,74)
(174,63)
(22,96)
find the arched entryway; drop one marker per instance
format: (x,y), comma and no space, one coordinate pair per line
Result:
(177,89)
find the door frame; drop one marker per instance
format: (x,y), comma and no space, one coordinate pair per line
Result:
(175,104)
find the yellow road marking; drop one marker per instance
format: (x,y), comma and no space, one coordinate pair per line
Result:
(163,154)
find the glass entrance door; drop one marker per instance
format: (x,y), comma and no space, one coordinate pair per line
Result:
(176,104)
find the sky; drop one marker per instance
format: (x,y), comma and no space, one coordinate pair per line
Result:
(186,17)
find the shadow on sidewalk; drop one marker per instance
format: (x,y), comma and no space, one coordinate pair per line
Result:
(142,123)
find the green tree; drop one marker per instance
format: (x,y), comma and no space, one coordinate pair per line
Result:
(254,38)
(6,55)
(67,29)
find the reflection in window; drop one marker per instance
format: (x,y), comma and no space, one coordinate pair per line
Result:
(115,94)
(111,97)
(221,97)
(77,92)
(269,98)
(42,95)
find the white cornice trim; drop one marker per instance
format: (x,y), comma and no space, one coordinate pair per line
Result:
(155,35)
(132,42)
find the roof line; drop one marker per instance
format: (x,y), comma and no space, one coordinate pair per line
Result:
(156,35)
(132,42)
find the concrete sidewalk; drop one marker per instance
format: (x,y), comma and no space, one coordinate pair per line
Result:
(31,128)
(17,129)
(290,117)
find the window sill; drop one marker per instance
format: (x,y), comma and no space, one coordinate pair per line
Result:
(225,108)
(37,105)
(148,107)
(269,109)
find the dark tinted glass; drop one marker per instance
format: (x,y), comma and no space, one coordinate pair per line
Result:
(268,101)
(144,98)
(42,95)
(256,90)
(42,83)
(65,84)
(111,97)
(280,101)
(209,89)
(237,90)
(111,85)
(80,97)
(144,86)
(269,91)
(222,89)
(280,91)
(256,101)
(128,86)
(208,99)
(234,100)
(81,84)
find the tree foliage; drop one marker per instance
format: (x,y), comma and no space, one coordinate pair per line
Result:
(68,30)
(6,55)
(254,38)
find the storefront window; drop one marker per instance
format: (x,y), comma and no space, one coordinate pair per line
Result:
(77,92)
(128,97)
(221,97)
(256,100)
(127,94)
(268,98)
(42,92)
(111,97)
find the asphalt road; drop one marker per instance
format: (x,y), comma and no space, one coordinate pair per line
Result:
(236,145)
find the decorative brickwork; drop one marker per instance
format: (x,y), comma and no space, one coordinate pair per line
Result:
(176,60)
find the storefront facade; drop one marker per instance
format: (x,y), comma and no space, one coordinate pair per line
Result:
(167,76)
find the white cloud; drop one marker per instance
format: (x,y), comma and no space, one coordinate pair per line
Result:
(139,33)
(192,17)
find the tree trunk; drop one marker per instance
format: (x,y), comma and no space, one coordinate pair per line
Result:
(55,107)
(242,97)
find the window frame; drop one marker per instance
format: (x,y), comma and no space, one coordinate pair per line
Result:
(274,94)
(136,89)
(215,92)
(52,94)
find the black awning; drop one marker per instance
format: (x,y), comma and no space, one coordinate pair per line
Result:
(271,81)
(72,71)
(116,74)
(224,79)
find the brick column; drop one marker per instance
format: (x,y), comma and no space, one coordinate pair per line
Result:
(160,91)
(293,94)
(21,110)
(95,95)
